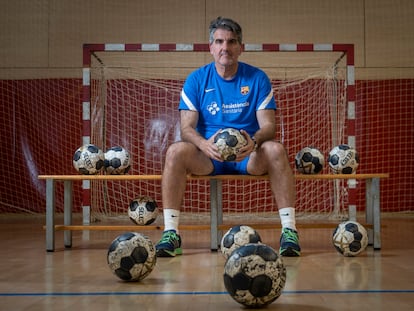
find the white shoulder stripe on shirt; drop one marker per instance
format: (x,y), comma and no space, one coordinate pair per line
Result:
(264,103)
(187,101)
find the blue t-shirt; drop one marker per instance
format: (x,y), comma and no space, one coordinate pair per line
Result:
(227,103)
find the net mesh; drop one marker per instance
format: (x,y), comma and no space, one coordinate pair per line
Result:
(41,127)
(134,99)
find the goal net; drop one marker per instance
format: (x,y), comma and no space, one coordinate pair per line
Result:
(131,99)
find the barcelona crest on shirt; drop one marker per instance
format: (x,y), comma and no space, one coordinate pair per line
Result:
(244,90)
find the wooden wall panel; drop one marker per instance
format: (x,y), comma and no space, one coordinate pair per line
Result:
(24,36)
(389,38)
(45,37)
(76,22)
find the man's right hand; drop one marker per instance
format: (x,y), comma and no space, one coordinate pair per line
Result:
(210,149)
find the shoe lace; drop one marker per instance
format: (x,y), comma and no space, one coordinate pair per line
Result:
(290,236)
(168,236)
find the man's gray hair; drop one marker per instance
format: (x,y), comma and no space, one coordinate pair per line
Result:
(227,24)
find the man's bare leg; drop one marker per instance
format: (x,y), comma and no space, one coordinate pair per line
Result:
(181,160)
(271,158)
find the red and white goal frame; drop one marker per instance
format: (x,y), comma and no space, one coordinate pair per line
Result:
(90,49)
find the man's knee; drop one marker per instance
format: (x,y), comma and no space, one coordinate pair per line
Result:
(180,151)
(175,150)
(275,149)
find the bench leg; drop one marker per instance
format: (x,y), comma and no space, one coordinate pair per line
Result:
(373,212)
(375,190)
(68,203)
(352,208)
(50,215)
(219,210)
(216,212)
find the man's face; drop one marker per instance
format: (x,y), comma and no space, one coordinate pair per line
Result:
(225,48)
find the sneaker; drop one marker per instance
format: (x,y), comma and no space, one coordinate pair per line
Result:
(169,245)
(289,243)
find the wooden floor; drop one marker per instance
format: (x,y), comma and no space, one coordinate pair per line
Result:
(79,278)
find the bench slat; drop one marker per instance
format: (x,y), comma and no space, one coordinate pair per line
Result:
(316,225)
(208,177)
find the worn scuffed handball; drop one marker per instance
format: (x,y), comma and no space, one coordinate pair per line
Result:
(143,210)
(131,256)
(229,141)
(254,275)
(238,236)
(350,238)
(117,161)
(88,159)
(343,159)
(309,160)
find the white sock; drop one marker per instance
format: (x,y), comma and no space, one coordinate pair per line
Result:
(171,219)
(287,217)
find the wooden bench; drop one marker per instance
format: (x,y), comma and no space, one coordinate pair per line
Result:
(372,209)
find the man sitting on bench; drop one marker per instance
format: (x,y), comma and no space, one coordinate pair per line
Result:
(227,93)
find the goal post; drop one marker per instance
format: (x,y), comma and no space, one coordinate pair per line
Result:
(130,98)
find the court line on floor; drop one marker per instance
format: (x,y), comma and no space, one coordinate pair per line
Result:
(289,292)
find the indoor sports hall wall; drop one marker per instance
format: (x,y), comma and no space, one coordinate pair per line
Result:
(41,69)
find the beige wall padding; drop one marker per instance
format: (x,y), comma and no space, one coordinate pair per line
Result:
(44,37)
